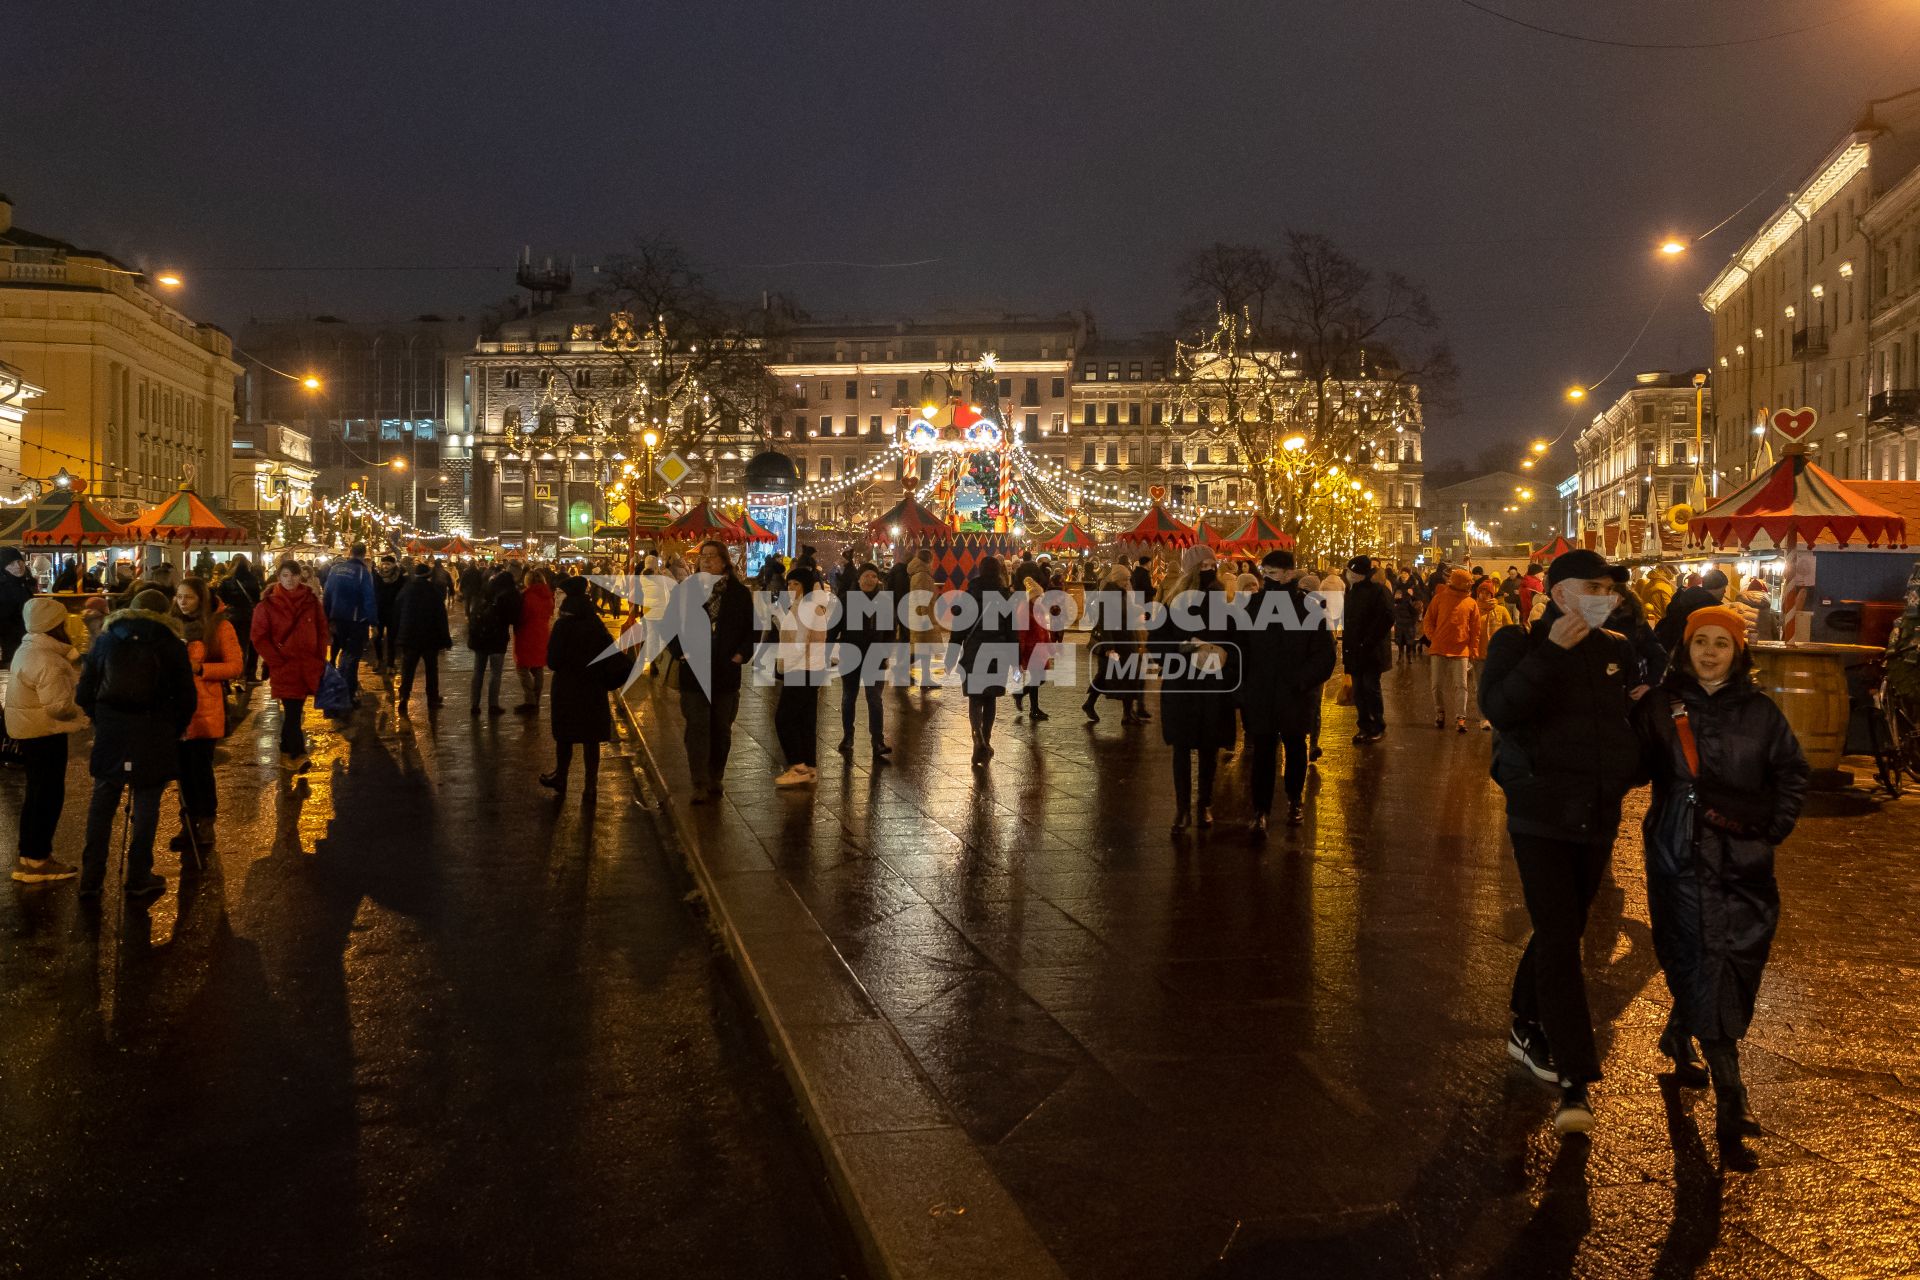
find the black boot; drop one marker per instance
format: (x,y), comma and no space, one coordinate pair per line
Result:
(1677,1045)
(1731,1116)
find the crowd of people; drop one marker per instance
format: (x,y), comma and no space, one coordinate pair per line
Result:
(1591,686)
(170,663)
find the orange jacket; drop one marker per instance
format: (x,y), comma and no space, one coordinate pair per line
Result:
(1453,619)
(218,658)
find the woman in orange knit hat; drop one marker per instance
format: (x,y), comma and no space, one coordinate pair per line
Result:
(1728,781)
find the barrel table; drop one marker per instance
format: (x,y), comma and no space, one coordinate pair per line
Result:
(1808,682)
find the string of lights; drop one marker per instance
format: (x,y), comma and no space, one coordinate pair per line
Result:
(1734,42)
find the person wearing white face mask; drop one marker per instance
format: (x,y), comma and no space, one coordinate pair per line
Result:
(1560,693)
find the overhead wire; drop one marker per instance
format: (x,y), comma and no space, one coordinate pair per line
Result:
(1735,42)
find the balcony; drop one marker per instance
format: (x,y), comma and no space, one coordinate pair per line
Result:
(1810,341)
(1894,408)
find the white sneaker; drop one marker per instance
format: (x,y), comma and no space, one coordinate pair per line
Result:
(797,776)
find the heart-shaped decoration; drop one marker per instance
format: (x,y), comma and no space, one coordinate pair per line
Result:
(1795,424)
(1158,492)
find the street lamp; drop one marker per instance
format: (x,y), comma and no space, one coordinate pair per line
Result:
(169,279)
(311,382)
(1576,392)
(1673,246)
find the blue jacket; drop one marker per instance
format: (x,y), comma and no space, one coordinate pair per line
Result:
(349,595)
(139,743)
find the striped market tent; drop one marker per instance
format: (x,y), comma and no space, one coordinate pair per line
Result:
(1794,503)
(1261,534)
(1205,535)
(1160,528)
(704,524)
(185,519)
(914,521)
(1072,537)
(755,531)
(65,519)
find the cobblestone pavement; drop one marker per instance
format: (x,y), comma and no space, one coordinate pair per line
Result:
(425,1021)
(1200,1055)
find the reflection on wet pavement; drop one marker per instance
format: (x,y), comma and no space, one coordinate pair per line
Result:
(424,1020)
(1196,1054)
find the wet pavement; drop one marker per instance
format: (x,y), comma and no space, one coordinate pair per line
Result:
(1200,1055)
(425,1020)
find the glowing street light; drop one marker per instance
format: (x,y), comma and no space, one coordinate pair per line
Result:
(1576,393)
(1294,444)
(169,280)
(311,382)
(1539,446)
(1673,246)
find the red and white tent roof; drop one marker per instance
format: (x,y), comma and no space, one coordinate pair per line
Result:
(1796,502)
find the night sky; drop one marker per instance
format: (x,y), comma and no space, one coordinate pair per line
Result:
(1047,155)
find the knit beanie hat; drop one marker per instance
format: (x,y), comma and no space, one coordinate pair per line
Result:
(1717,615)
(43,613)
(153,601)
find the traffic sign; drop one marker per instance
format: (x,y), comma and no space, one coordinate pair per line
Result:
(673,469)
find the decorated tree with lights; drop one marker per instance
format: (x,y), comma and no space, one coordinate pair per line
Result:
(1307,361)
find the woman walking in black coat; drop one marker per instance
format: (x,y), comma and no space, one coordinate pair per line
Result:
(989,654)
(1196,687)
(421,630)
(490,620)
(1728,782)
(1286,658)
(582,679)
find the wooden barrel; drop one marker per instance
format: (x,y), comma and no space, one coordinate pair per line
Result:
(1809,684)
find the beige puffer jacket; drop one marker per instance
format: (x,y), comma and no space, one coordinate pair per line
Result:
(41,686)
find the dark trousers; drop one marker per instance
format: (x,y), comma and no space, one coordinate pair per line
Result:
(198,796)
(249,657)
(1266,758)
(386,647)
(1368,703)
(589,761)
(411,658)
(46,766)
(1183,776)
(1558,879)
(796,723)
(349,642)
(850,690)
(100,814)
(708,734)
(981,710)
(293,734)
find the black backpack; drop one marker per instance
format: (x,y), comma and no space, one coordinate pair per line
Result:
(130,673)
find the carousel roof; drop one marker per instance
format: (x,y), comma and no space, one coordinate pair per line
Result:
(1205,535)
(1552,551)
(1795,501)
(755,531)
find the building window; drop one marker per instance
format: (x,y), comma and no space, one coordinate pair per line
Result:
(510,380)
(826,389)
(1202,458)
(1159,371)
(873,424)
(1113,455)
(900,389)
(1030,392)
(1159,414)
(800,424)
(1133,414)
(1154,453)
(1087,460)
(1059,388)
(1646,413)
(583,377)
(853,389)
(1133,453)
(1086,414)
(1113,371)
(1006,388)
(873,388)
(826,468)
(1179,454)
(1059,422)
(1033,424)
(1089,373)
(1113,414)
(1133,371)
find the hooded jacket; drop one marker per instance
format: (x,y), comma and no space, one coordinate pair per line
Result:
(40,693)
(349,595)
(139,742)
(1566,754)
(290,634)
(1452,618)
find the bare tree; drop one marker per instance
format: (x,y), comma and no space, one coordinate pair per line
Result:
(1307,360)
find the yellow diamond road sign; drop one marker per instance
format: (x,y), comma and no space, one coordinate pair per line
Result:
(673,469)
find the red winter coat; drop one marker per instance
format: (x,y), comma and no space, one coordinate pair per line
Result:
(217,655)
(290,635)
(535,624)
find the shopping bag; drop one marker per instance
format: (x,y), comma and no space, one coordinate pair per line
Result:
(333,697)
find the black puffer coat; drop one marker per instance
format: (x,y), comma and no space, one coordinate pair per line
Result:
(581,678)
(1566,754)
(1710,889)
(1367,642)
(989,648)
(1196,703)
(420,614)
(490,622)
(138,740)
(1282,668)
